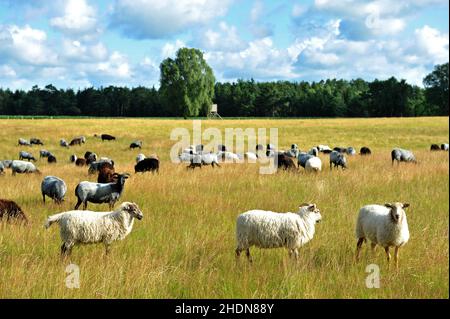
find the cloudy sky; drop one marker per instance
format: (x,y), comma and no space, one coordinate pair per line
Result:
(81,43)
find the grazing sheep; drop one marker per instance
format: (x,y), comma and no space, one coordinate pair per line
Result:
(350,151)
(339,149)
(140,157)
(285,161)
(365,151)
(25,155)
(51,159)
(95,166)
(314,164)
(63,143)
(302,158)
(11,211)
(251,157)
(136,144)
(53,187)
(314,151)
(36,141)
(73,158)
(87,227)
(147,165)
(24,142)
(107,137)
(23,167)
(382,225)
(266,229)
(80,162)
(100,193)
(337,159)
(444,147)
(402,155)
(198,160)
(324,149)
(106,173)
(44,153)
(228,157)
(435,147)
(76,141)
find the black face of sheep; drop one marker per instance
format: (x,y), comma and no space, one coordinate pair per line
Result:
(435,147)
(36,141)
(339,149)
(51,159)
(365,151)
(259,147)
(136,145)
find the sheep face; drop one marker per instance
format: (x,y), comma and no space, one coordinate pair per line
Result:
(311,211)
(133,210)
(397,211)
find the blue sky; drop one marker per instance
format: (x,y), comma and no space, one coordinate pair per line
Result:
(82,43)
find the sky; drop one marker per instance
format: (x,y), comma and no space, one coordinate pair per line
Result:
(83,43)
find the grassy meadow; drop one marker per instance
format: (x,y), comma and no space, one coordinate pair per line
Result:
(184,245)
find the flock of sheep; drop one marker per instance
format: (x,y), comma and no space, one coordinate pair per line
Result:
(385,225)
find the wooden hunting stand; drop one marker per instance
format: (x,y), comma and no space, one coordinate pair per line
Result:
(213,114)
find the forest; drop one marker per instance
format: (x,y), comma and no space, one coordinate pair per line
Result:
(244,98)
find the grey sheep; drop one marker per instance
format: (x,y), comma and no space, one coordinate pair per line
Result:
(25,155)
(402,155)
(63,143)
(53,187)
(44,153)
(23,141)
(23,167)
(302,158)
(337,159)
(100,193)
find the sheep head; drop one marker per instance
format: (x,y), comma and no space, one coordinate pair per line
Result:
(311,210)
(397,211)
(132,209)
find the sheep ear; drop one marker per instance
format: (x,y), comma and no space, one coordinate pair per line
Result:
(303,204)
(388,205)
(405,205)
(312,207)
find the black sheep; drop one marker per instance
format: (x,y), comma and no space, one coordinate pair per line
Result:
(147,165)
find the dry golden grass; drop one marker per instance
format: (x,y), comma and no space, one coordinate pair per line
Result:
(184,246)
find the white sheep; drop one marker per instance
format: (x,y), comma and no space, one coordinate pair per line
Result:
(314,164)
(266,229)
(87,227)
(382,225)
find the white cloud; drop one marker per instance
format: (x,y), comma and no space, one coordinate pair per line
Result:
(158,19)
(26,45)
(170,49)
(116,66)
(78,18)
(7,72)
(74,50)
(432,44)
(225,37)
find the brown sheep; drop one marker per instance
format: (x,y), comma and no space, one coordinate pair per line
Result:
(11,210)
(106,173)
(80,162)
(286,162)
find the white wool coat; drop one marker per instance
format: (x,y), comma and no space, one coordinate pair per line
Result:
(92,227)
(266,229)
(375,223)
(313,164)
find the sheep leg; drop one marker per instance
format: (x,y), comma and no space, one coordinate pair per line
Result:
(358,248)
(107,248)
(238,253)
(84,205)
(247,253)
(43,197)
(293,252)
(388,255)
(396,256)
(78,204)
(66,250)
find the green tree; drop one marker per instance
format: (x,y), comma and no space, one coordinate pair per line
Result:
(187,83)
(436,85)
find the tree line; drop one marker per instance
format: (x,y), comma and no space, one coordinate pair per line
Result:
(244,98)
